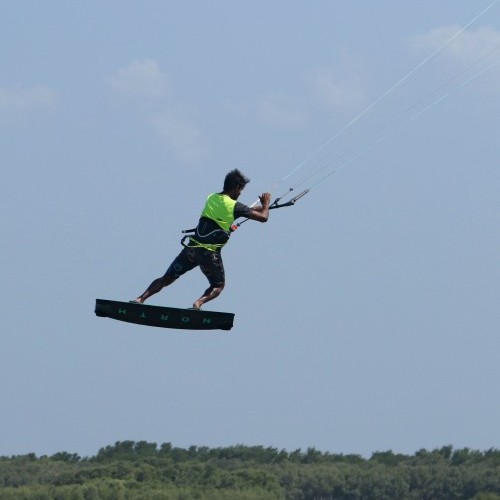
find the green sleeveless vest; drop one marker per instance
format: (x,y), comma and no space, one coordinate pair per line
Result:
(220,208)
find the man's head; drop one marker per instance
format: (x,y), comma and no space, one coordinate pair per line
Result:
(234,183)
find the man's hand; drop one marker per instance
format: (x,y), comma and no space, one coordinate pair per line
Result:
(265,199)
(261,213)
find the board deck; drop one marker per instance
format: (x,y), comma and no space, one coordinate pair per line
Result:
(163,317)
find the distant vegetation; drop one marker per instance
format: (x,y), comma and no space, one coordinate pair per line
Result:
(132,470)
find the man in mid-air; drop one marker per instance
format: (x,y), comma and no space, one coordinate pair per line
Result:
(211,234)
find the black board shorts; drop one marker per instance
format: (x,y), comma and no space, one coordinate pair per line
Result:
(210,264)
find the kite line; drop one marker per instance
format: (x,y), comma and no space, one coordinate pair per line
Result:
(411,113)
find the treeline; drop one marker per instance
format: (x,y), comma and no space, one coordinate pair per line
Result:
(130,470)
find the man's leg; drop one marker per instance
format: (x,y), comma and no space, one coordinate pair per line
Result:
(212,267)
(209,294)
(184,262)
(157,285)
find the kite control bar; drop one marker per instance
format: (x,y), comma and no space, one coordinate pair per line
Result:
(275,203)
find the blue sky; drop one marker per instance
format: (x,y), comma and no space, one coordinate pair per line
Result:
(367,315)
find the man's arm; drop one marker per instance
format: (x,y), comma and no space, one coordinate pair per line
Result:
(261,214)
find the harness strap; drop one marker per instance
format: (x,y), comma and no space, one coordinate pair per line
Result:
(212,246)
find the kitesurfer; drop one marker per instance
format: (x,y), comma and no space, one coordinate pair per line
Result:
(212,233)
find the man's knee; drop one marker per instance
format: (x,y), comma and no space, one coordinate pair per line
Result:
(215,290)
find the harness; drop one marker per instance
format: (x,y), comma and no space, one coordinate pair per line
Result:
(200,237)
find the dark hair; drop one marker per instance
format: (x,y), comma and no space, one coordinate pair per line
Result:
(235,179)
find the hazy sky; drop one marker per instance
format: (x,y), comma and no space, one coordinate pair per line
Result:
(367,316)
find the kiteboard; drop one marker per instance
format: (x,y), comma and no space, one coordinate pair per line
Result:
(164,317)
